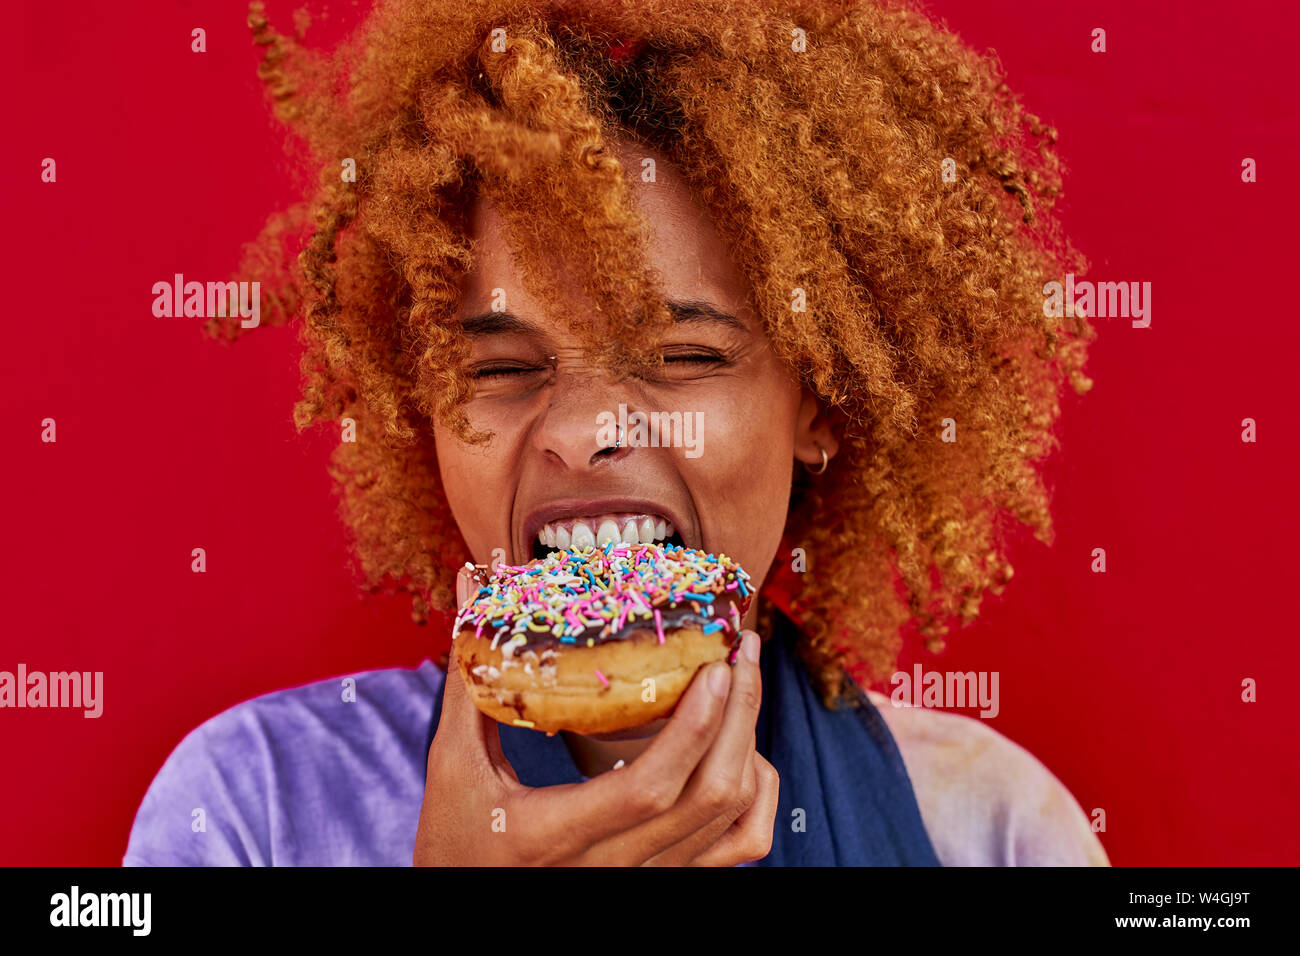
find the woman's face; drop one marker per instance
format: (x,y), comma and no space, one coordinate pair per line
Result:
(720,479)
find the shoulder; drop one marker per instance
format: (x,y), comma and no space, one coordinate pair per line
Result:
(258,783)
(984,799)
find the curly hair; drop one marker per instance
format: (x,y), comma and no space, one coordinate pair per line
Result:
(823,138)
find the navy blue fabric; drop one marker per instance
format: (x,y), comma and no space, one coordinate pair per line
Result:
(841,768)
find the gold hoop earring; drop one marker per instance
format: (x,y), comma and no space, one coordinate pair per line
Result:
(825,461)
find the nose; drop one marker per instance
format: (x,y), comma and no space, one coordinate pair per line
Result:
(575,431)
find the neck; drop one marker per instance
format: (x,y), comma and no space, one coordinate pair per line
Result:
(595,755)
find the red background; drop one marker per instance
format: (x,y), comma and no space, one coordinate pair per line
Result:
(1126,684)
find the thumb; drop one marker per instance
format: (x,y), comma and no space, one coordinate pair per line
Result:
(468,726)
(462,584)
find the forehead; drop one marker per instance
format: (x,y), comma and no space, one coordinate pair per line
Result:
(683,244)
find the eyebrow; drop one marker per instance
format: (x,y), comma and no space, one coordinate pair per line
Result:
(691,311)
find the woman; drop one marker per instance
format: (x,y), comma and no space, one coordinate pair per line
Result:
(817,233)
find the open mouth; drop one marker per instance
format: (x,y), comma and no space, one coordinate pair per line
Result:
(598,530)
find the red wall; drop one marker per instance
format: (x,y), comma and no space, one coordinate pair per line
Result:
(1127,685)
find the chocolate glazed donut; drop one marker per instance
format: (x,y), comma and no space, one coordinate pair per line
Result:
(598,640)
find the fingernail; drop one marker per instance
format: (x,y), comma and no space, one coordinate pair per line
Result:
(719,679)
(462,584)
(751,646)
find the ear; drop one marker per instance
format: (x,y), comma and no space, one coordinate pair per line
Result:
(815,429)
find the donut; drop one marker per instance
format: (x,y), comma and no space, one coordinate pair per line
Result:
(597,640)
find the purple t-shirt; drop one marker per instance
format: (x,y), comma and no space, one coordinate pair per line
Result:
(300,777)
(332,774)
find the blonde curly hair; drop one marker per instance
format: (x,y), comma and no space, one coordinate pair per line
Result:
(824,169)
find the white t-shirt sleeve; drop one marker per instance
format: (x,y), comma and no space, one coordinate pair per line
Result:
(984,799)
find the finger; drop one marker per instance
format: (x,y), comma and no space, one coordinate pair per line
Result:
(601,812)
(722,770)
(683,852)
(473,734)
(462,587)
(750,837)
(458,709)
(710,802)
(468,580)
(666,766)
(459,713)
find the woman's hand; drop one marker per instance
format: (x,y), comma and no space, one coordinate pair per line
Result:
(699,795)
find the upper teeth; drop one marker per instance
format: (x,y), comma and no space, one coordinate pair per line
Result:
(600,530)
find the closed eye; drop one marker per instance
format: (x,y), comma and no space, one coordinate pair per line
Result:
(686,363)
(505,371)
(694,357)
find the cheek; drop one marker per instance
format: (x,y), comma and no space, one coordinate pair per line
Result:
(474,480)
(742,476)
(743,438)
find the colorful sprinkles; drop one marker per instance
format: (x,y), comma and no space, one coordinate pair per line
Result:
(572,595)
